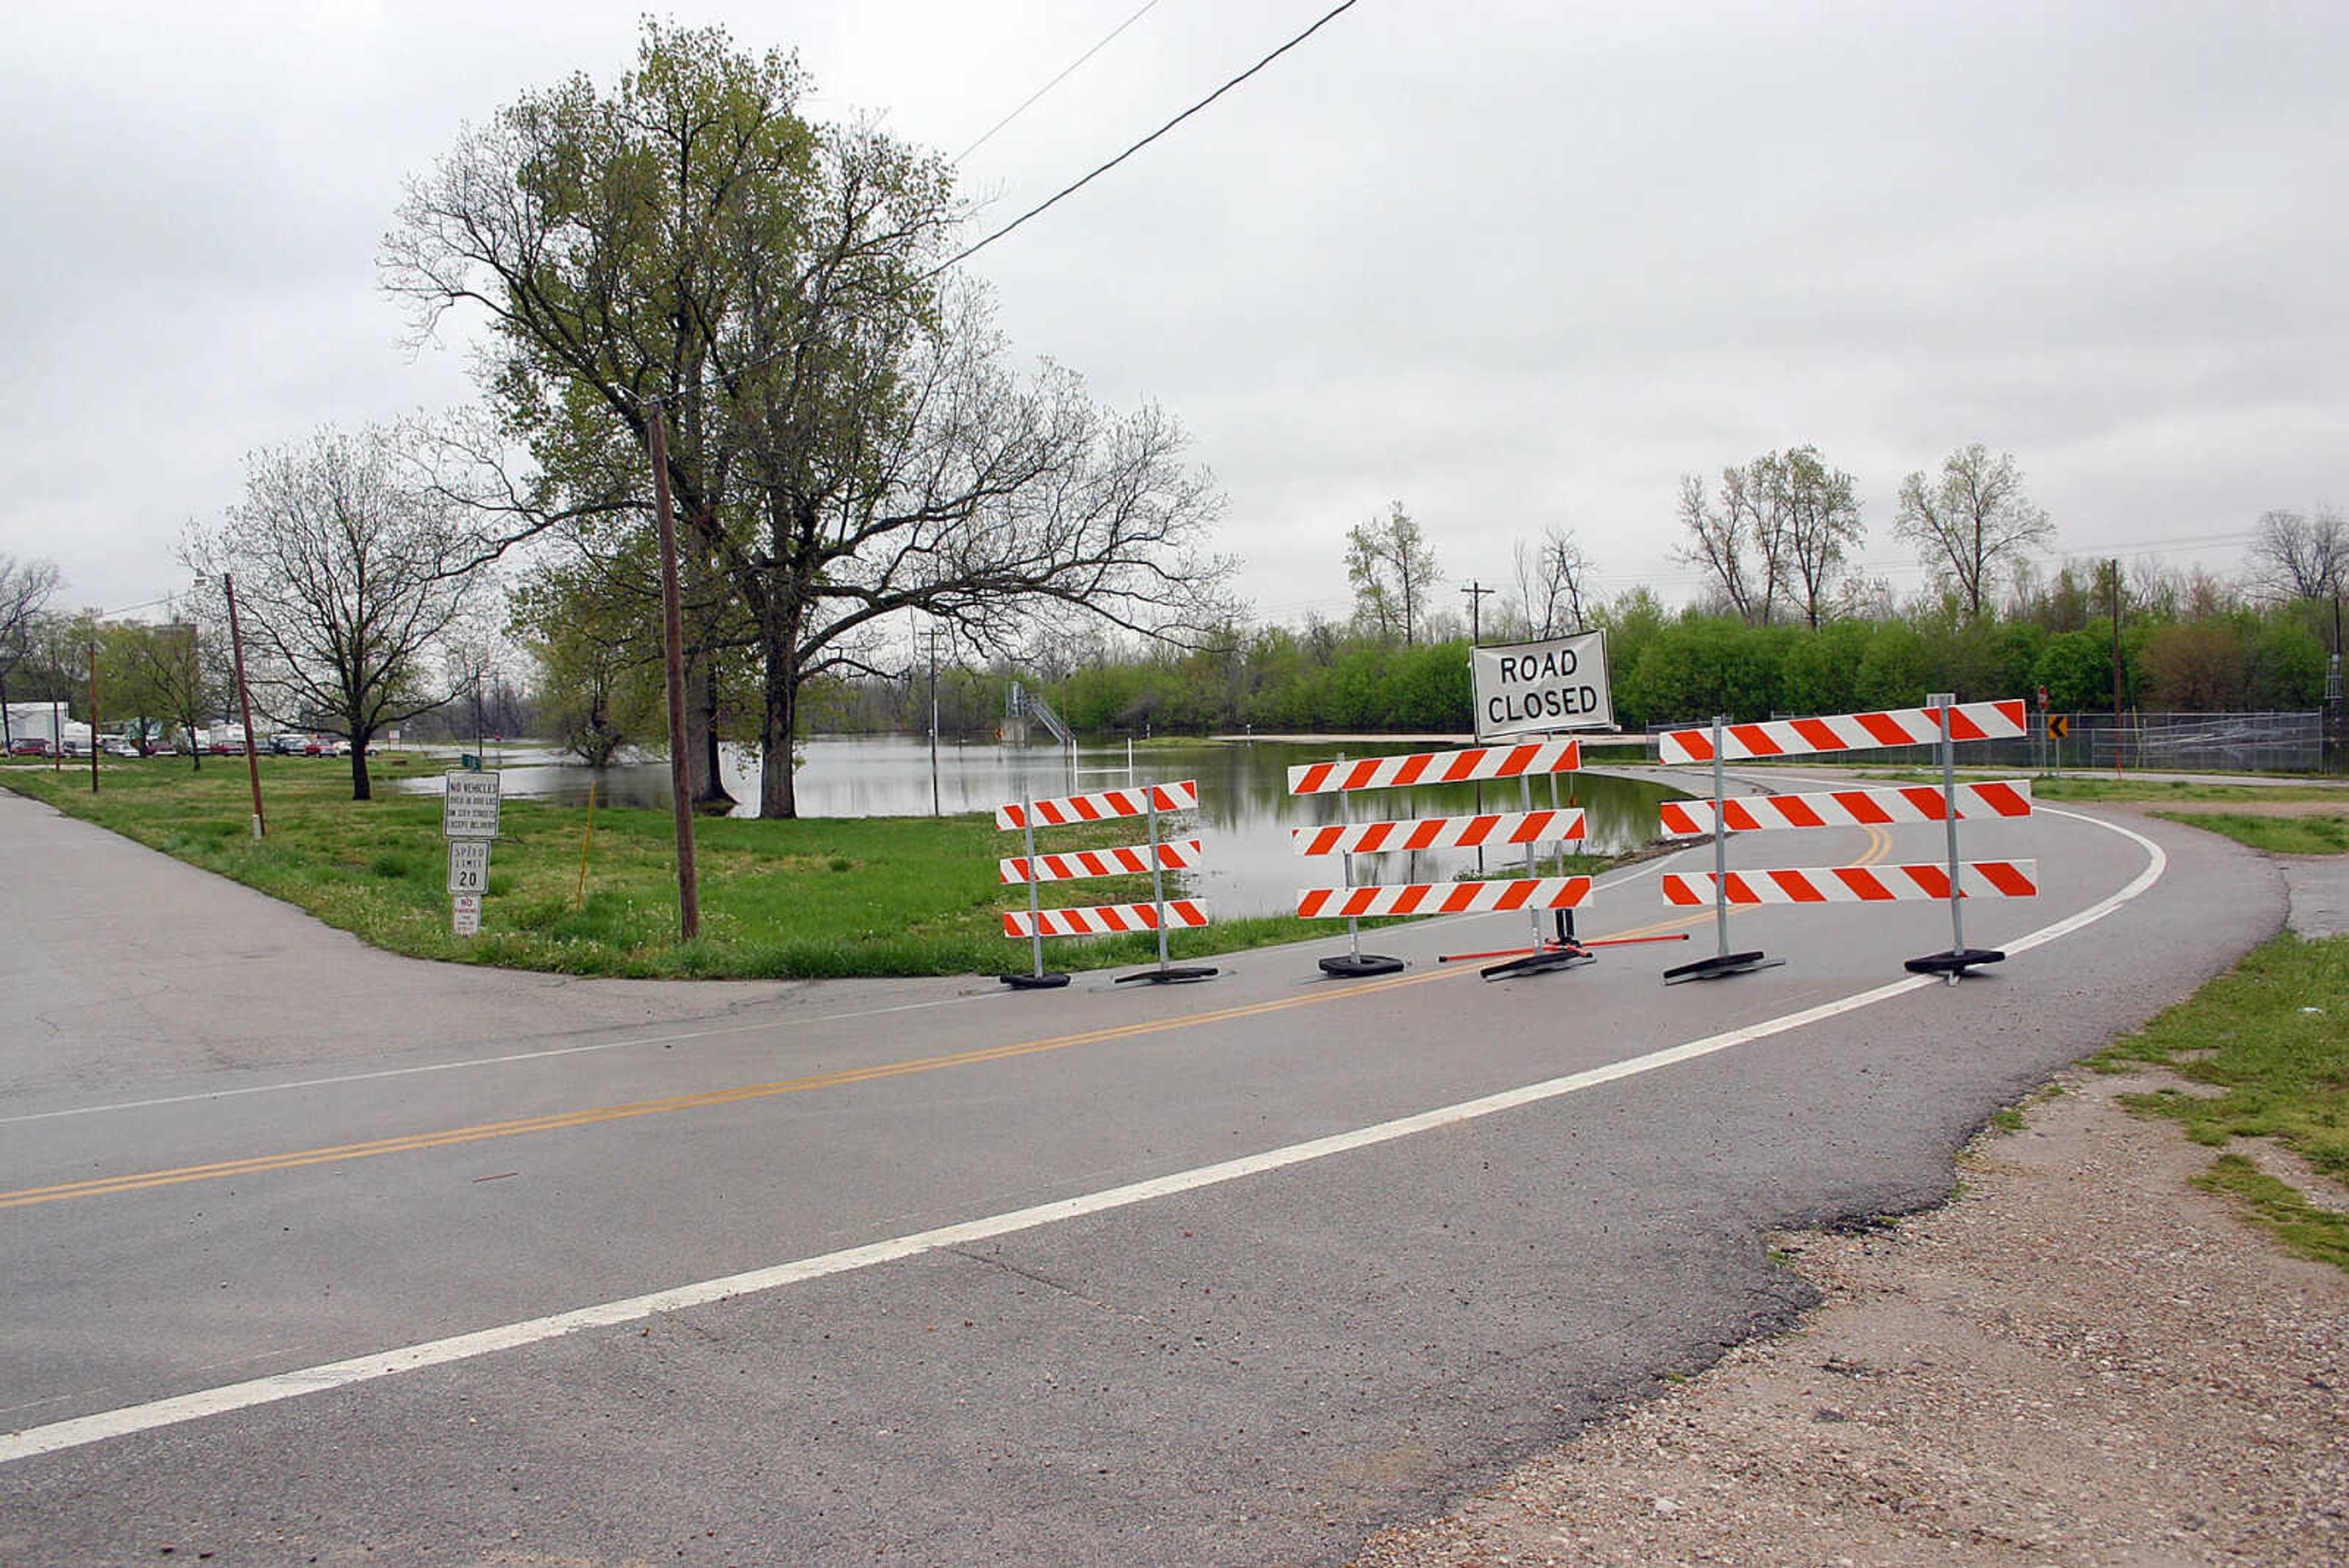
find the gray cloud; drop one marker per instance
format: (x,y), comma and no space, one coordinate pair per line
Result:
(1511,264)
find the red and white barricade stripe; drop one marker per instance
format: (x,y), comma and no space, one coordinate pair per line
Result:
(1848,807)
(1857,883)
(1845,732)
(1173,855)
(1494,828)
(1443,897)
(1104,920)
(1107,804)
(1465,766)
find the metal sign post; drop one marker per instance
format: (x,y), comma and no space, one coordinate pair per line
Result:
(469,821)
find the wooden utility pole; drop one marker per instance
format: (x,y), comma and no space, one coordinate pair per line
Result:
(2114,565)
(244,705)
(681,778)
(93,718)
(1475,593)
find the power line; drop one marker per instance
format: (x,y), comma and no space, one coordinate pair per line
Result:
(1056,81)
(1071,190)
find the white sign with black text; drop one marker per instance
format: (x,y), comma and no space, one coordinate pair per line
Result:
(469,866)
(469,805)
(1533,687)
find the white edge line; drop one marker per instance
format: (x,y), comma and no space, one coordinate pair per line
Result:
(82,1430)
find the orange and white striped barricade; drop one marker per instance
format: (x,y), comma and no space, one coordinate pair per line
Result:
(1527,828)
(1945,720)
(1158,857)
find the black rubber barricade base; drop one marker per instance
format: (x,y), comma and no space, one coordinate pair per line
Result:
(1954,962)
(1719,966)
(1361,966)
(1542,962)
(1048,981)
(1174,976)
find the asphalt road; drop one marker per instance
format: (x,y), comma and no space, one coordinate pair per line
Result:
(300,1240)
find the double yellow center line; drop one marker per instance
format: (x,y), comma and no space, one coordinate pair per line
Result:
(140,1181)
(137,1181)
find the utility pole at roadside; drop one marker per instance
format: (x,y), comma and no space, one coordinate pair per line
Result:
(1476,593)
(2114,566)
(93,718)
(680,779)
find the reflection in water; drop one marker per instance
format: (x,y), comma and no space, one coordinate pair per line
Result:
(1245,814)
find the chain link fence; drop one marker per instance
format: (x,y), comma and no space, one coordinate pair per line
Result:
(2145,743)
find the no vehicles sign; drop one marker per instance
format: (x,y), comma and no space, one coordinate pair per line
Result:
(469,805)
(1532,688)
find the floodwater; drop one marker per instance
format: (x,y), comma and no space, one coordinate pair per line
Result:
(1245,815)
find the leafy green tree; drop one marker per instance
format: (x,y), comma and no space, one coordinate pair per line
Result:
(2077,668)
(599,663)
(1821,672)
(1898,670)
(843,440)
(2288,665)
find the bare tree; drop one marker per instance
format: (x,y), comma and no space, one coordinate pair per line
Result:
(1553,582)
(1392,570)
(25,588)
(1971,522)
(1813,522)
(1740,541)
(2295,556)
(347,577)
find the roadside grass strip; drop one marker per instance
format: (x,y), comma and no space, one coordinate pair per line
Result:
(2272,1038)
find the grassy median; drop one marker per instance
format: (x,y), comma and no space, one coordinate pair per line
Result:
(819,897)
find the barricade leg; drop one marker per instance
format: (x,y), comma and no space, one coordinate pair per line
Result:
(1544,955)
(1039,979)
(1354,963)
(1961,958)
(1724,962)
(1164,973)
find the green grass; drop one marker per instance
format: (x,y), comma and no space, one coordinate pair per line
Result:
(815,898)
(2313,1232)
(2275,834)
(2270,1040)
(2098,786)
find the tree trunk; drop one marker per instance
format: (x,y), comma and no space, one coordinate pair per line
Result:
(778,718)
(362,788)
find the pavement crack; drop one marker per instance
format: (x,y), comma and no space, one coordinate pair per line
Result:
(1056,1286)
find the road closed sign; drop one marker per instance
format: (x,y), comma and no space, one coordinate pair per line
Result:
(1532,688)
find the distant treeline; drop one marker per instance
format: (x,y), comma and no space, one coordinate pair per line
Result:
(1665,669)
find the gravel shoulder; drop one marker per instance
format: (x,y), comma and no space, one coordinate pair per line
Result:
(2080,1359)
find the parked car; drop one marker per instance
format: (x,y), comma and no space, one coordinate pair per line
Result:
(28,746)
(334,746)
(289,744)
(118,746)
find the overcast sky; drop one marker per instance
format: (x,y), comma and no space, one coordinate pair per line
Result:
(1512,265)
